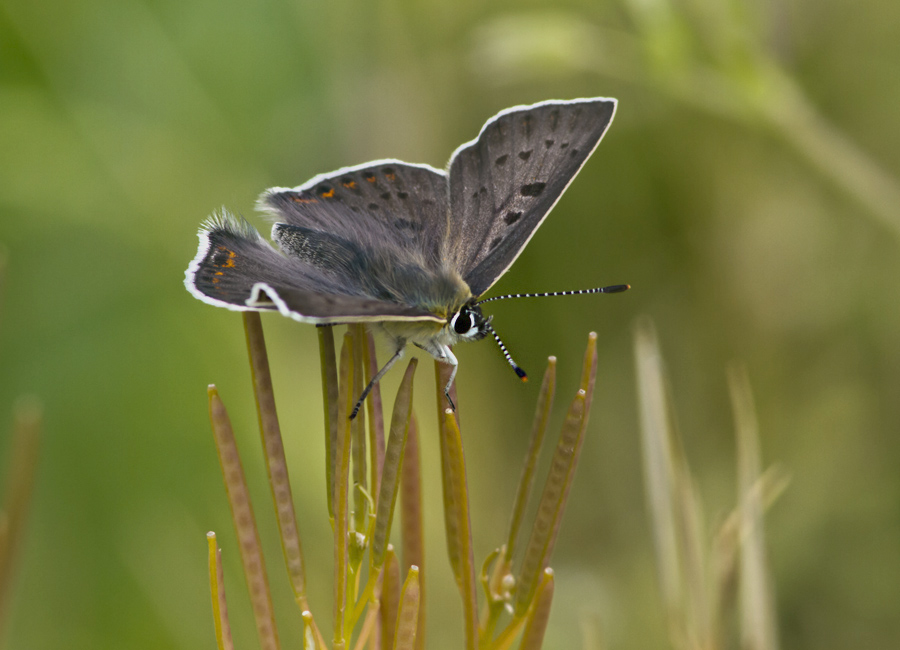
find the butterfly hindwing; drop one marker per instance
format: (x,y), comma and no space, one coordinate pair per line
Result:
(237,269)
(504,183)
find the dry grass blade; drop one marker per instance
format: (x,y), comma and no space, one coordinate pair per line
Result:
(727,542)
(659,471)
(244,522)
(539,614)
(758,621)
(217,591)
(559,482)
(412,528)
(330,403)
(526,480)
(408,616)
(393,460)
(390,599)
(276,465)
(22,468)
(675,508)
(341,490)
(458,525)
(375,411)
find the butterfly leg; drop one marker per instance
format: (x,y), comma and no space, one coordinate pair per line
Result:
(451,359)
(401,345)
(444,354)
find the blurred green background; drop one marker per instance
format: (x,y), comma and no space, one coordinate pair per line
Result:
(747,190)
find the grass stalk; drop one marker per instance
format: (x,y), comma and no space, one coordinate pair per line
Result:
(390,599)
(330,404)
(341,489)
(408,614)
(375,409)
(276,464)
(217,591)
(412,527)
(538,614)
(457,522)
(358,433)
(393,460)
(244,523)
(556,488)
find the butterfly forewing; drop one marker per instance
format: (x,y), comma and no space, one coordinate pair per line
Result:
(504,183)
(385,204)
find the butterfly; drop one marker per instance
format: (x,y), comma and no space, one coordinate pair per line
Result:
(408,249)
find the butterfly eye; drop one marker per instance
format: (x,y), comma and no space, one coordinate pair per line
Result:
(463,321)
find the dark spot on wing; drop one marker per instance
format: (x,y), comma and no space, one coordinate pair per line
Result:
(574,152)
(389,173)
(373,206)
(564,145)
(532,189)
(525,155)
(511,217)
(548,143)
(402,195)
(386,196)
(494,243)
(502,159)
(348,182)
(369,176)
(554,119)
(483,190)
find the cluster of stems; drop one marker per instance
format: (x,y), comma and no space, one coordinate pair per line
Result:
(379,597)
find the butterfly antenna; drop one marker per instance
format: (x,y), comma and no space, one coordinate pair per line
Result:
(521,373)
(615,288)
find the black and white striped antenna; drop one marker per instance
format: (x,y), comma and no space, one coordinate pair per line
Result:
(507,355)
(615,288)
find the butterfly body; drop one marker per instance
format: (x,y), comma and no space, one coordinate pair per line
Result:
(407,248)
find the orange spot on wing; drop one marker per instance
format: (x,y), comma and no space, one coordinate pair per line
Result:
(297,198)
(329,194)
(349,184)
(371,179)
(391,177)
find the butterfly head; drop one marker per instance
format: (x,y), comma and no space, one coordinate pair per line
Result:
(469,324)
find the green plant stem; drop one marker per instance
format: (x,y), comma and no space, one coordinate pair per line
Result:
(276,464)
(458,525)
(412,530)
(244,522)
(341,487)
(217,591)
(330,405)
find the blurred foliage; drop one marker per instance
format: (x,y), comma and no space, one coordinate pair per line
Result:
(747,190)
